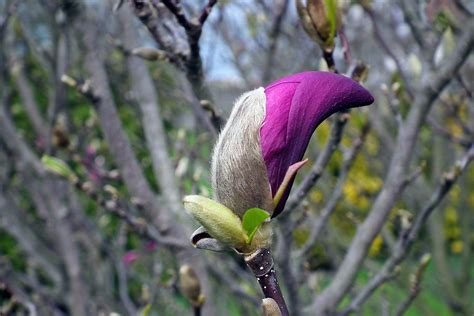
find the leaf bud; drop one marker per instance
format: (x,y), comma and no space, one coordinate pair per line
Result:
(190,285)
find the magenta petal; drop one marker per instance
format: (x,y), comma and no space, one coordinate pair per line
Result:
(295,106)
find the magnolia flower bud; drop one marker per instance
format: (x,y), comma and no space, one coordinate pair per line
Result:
(261,147)
(258,154)
(190,285)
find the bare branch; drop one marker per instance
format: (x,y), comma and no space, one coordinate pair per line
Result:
(206,11)
(191,62)
(408,236)
(274,35)
(384,202)
(380,39)
(147,98)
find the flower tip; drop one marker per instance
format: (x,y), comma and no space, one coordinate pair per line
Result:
(296,166)
(363,96)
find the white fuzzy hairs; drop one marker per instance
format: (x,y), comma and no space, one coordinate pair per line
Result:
(239,174)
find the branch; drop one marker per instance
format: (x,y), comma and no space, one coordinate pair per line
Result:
(30,243)
(189,62)
(380,39)
(408,236)
(137,224)
(415,287)
(262,266)
(441,130)
(392,189)
(99,93)
(274,35)
(206,11)
(30,104)
(10,10)
(178,12)
(148,101)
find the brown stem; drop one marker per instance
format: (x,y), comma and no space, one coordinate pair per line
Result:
(328,57)
(261,264)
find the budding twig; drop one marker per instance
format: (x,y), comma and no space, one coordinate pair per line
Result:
(415,287)
(138,225)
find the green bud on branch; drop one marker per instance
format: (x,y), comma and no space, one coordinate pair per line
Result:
(59,167)
(150,54)
(219,221)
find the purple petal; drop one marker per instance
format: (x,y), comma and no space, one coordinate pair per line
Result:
(295,106)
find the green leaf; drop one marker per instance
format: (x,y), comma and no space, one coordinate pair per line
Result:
(59,167)
(252,220)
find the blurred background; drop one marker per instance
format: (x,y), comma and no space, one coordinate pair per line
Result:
(108,114)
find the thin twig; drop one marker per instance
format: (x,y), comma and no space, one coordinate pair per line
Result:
(415,287)
(230,281)
(206,11)
(441,130)
(274,33)
(381,40)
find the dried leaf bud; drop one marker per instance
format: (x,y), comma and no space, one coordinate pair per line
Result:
(150,54)
(60,138)
(190,285)
(270,307)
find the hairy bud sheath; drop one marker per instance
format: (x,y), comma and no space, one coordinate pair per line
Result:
(239,175)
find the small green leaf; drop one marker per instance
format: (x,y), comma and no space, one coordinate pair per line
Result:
(59,167)
(252,220)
